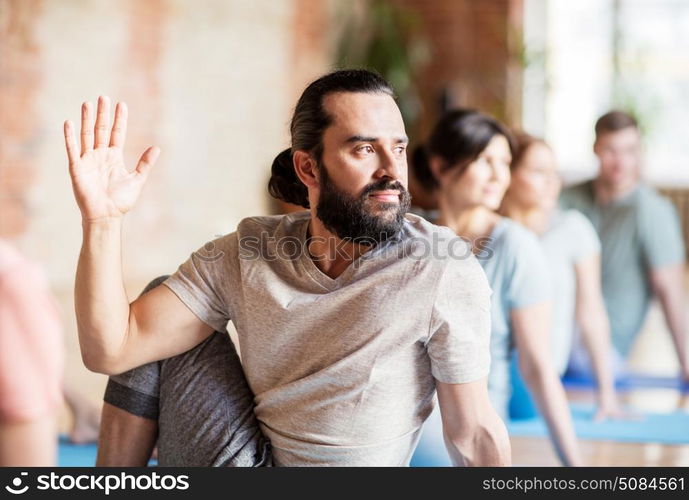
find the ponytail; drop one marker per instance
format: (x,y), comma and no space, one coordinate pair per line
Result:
(284,183)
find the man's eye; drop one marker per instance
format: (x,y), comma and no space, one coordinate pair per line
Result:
(365,149)
(400,149)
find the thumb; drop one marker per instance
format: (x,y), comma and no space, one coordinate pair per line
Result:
(147,160)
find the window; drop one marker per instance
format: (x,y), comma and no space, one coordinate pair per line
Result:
(586,57)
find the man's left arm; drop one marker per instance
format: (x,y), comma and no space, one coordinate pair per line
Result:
(663,246)
(474,433)
(668,286)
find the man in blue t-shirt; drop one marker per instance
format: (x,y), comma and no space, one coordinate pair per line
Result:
(642,252)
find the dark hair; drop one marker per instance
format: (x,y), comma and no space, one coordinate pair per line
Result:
(458,139)
(615,120)
(309,121)
(522,142)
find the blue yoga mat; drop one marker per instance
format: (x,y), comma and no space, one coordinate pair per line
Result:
(76,455)
(631,381)
(665,428)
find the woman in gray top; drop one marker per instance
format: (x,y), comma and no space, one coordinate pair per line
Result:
(467,161)
(572,251)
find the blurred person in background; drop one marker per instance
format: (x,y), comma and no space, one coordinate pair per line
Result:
(572,249)
(467,161)
(31,361)
(31,353)
(642,250)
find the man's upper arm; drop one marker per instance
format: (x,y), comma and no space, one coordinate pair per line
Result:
(462,406)
(161,326)
(667,279)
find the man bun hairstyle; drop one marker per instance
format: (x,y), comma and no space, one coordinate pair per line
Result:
(308,124)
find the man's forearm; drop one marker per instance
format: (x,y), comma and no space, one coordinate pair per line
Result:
(670,293)
(487,445)
(493,446)
(101,303)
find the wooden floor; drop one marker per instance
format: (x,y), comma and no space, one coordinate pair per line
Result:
(538,452)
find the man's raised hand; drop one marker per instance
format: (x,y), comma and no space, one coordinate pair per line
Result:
(103,186)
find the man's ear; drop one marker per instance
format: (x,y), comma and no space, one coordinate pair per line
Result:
(305,167)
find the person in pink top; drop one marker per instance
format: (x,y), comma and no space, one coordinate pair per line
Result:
(31,354)
(31,363)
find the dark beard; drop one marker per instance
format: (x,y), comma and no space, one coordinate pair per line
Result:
(347,217)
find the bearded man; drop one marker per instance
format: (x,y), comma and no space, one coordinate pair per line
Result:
(346,330)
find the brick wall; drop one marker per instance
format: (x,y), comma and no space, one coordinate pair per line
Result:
(20,81)
(208,82)
(473,48)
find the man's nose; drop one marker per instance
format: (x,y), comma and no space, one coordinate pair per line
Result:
(389,167)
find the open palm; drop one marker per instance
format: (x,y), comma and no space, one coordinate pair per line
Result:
(103,186)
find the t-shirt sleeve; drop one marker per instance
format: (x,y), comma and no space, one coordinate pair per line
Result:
(204,279)
(661,234)
(459,342)
(586,243)
(529,283)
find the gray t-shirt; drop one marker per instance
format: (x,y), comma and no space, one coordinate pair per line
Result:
(569,239)
(343,369)
(518,275)
(638,233)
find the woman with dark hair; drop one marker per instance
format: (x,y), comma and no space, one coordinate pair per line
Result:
(572,250)
(467,161)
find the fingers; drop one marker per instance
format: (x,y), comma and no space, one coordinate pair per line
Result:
(147,160)
(119,128)
(102,122)
(86,127)
(70,142)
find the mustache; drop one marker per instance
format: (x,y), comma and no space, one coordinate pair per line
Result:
(384,185)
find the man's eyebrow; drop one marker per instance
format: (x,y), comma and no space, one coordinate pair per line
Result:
(361,138)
